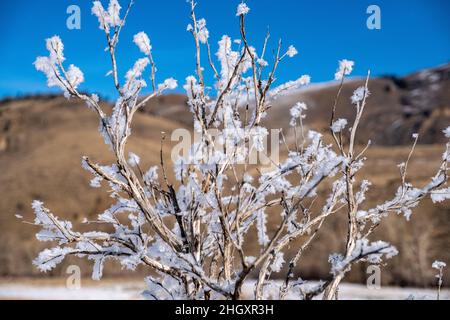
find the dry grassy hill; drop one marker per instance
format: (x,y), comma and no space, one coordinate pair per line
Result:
(42,141)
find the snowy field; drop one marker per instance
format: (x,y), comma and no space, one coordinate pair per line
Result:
(130,290)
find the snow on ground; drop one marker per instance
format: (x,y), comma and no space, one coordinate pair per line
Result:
(130,290)
(107,291)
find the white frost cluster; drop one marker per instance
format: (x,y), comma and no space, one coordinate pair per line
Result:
(345,68)
(261,221)
(438,265)
(228,59)
(290,86)
(107,18)
(200,29)
(52,66)
(169,83)
(440,195)
(134,81)
(261,62)
(359,94)
(373,252)
(74,76)
(447,132)
(291,51)
(55,48)
(133,159)
(49,258)
(297,112)
(259,135)
(143,42)
(278,262)
(338,125)
(242,9)
(151,175)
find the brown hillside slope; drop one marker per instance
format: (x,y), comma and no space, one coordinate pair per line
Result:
(42,142)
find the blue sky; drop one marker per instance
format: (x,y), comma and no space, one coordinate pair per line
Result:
(415,34)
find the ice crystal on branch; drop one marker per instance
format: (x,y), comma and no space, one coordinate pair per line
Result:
(52,66)
(55,47)
(338,125)
(438,265)
(109,18)
(298,112)
(292,52)
(242,9)
(371,252)
(143,42)
(447,132)
(345,68)
(170,83)
(359,94)
(133,159)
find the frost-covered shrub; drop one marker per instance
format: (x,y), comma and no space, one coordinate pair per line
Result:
(193,231)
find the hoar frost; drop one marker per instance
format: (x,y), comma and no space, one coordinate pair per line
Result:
(143,42)
(242,9)
(292,52)
(359,94)
(345,68)
(170,83)
(447,132)
(338,125)
(192,233)
(297,112)
(438,264)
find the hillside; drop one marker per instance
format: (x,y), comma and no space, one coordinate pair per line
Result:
(42,141)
